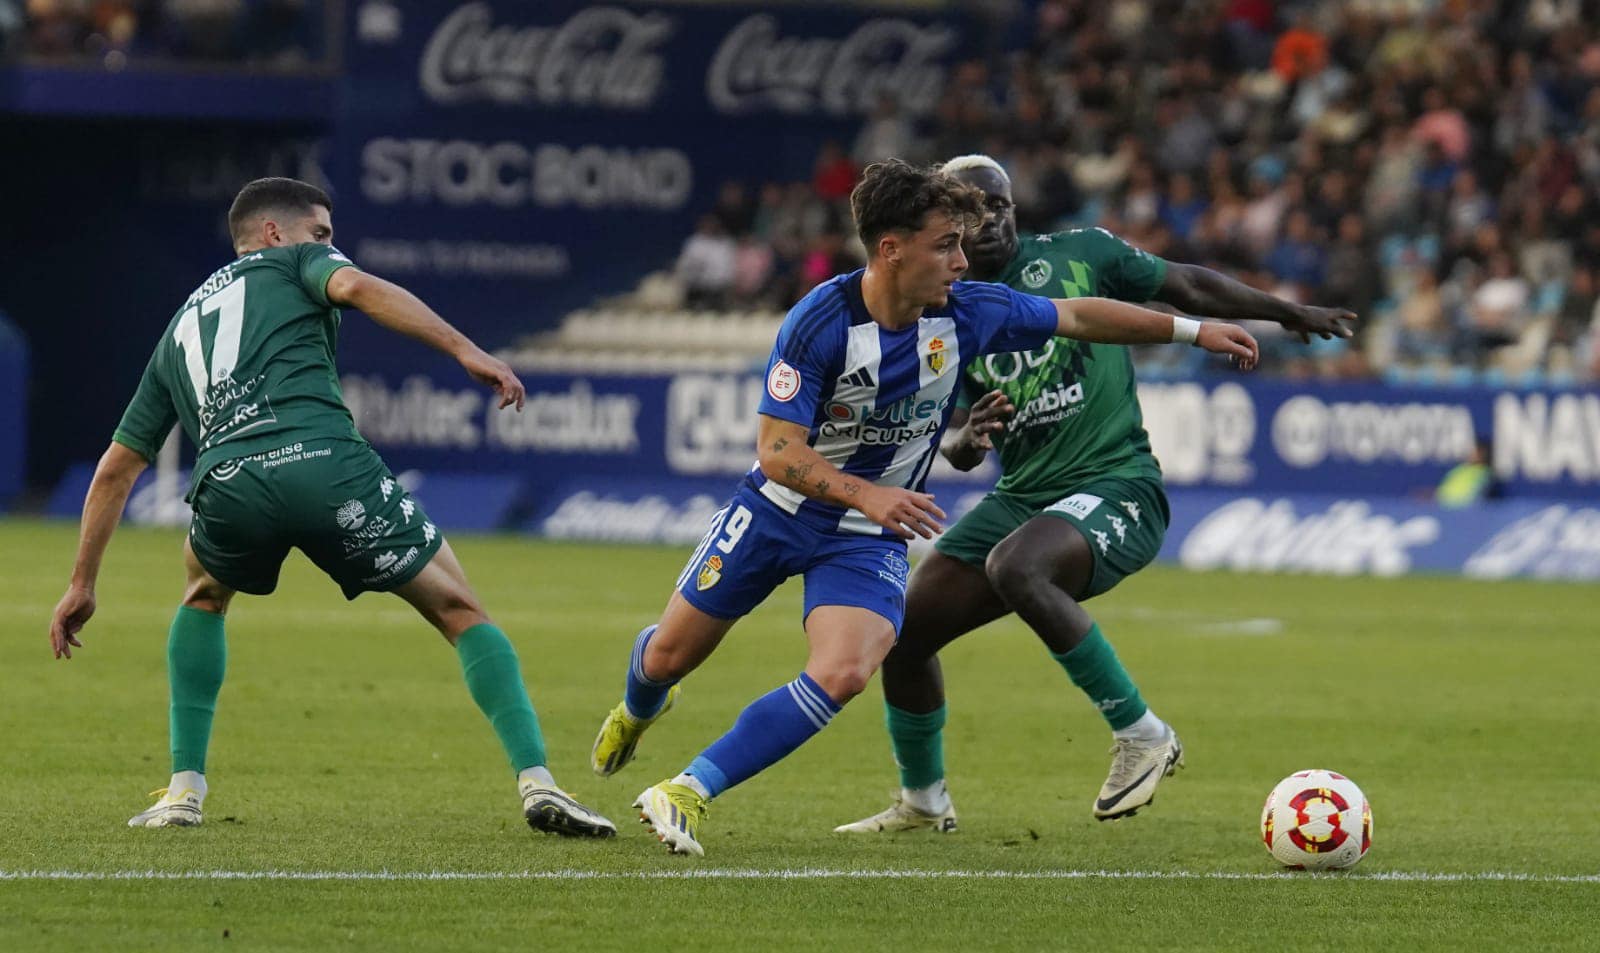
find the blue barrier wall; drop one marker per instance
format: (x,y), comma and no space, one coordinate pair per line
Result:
(1227,433)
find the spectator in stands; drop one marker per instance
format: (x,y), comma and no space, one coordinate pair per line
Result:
(1301,51)
(887,134)
(1425,334)
(834,174)
(753,262)
(1436,163)
(1183,206)
(1576,322)
(1350,278)
(706,265)
(733,209)
(1498,310)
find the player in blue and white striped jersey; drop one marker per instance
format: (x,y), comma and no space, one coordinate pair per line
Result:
(860,386)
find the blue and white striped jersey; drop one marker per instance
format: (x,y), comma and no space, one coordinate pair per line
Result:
(877,401)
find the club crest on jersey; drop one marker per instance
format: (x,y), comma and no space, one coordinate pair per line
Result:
(1035,273)
(783,382)
(936,356)
(710,574)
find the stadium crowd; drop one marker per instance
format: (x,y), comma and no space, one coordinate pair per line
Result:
(1434,166)
(261,33)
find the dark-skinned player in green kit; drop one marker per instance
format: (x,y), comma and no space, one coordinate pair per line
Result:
(246,366)
(1079,505)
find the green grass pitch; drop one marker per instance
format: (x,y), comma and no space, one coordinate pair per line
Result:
(346,746)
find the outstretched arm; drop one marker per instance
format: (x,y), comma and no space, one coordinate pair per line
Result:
(102,511)
(1194,289)
(1105,321)
(397,309)
(786,459)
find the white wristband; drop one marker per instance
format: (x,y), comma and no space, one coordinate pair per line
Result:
(1185,330)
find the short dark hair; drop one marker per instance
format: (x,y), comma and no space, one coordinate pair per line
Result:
(894,195)
(276,193)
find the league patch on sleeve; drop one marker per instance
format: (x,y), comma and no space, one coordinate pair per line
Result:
(783,382)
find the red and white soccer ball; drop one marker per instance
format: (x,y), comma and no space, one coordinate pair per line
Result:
(1317,820)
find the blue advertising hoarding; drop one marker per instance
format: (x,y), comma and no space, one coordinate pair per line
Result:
(1224,433)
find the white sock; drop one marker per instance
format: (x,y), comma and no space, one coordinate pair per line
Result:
(933,799)
(187,781)
(538,774)
(1147,728)
(693,783)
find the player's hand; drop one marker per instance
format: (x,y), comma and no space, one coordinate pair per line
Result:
(1229,339)
(905,513)
(71,613)
(496,375)
(1325,323)
(988,416)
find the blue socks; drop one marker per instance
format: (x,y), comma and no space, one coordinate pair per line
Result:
(644,697)
(766,732)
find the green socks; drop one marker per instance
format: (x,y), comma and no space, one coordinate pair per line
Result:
(197,655)
(495,680)
(918,745)
(1093,666)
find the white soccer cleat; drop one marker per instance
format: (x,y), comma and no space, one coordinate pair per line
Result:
(1136,768)
(173,809)
(554,811)
(901,816)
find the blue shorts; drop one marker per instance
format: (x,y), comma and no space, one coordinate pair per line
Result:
(753,546)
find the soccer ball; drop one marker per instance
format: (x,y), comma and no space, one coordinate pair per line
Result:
(1317,820)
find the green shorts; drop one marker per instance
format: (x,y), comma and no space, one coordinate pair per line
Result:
(1124,522)
(333,499)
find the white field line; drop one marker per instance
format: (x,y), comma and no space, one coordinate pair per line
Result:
(803,873)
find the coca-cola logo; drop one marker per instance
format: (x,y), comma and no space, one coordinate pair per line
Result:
(756,67)
(604,56)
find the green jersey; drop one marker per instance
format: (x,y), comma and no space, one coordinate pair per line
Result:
(247,364)
(1077,417)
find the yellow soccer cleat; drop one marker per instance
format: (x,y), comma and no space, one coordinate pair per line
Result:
(619,736)
(673,812)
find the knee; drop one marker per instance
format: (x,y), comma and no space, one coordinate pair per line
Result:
(843,681)
(207,598)
(1012,576)
(667,660)
(455,614)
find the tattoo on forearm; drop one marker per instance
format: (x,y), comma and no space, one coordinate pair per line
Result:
(822,487)
(779,444)
(851,489)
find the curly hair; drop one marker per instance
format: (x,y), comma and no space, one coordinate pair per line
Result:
(894,195)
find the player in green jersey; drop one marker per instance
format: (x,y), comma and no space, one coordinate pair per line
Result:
(246,367)
(1078,508)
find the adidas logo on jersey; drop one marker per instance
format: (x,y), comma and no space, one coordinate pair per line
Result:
(861,377)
